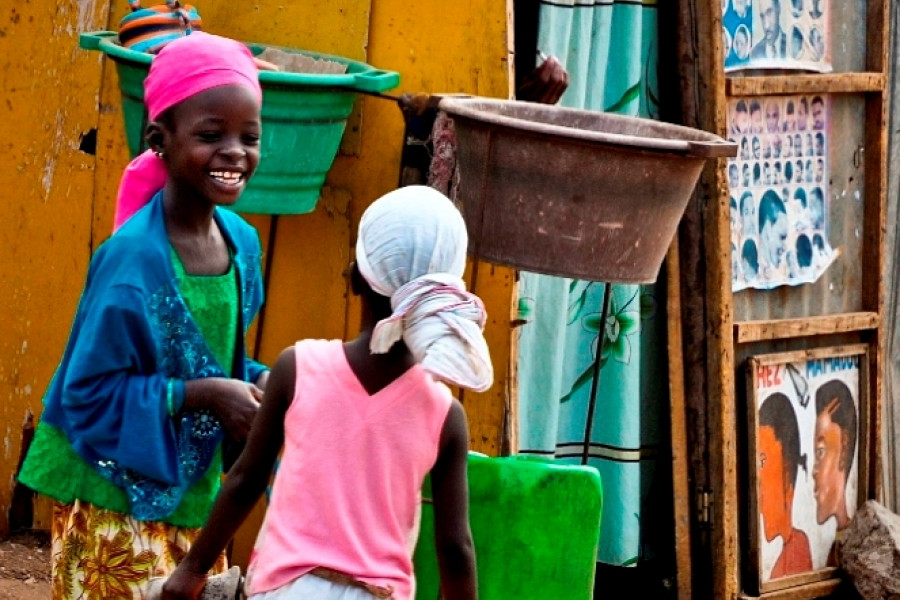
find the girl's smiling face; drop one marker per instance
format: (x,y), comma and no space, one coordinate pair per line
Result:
(211,144)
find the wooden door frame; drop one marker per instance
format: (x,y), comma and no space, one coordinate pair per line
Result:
(712,488)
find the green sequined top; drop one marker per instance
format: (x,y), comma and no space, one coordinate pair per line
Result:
(211,301)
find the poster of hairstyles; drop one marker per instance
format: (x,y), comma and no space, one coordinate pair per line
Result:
(779,190)
(776,34)
(806,416)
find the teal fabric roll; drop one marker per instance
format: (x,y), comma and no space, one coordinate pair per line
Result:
(610,51)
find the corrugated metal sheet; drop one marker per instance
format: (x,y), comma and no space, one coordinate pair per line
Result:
(839,288)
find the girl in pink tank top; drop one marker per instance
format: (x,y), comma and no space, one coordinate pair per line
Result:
(361,424)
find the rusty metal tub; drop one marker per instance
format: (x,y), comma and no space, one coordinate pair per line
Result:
(571,192)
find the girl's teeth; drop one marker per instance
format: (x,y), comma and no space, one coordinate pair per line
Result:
(227,177)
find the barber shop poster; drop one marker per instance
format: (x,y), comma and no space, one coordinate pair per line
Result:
(776,34)
(805,440)
(779,190)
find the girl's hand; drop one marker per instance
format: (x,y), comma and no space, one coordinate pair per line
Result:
(237,406)
(234,402)
(546,84)
(183,585)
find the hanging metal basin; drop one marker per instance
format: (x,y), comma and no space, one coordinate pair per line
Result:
(571,192)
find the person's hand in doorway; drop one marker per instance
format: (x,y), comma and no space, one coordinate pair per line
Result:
(546,84)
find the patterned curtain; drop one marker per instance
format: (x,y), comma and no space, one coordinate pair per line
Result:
(609,49)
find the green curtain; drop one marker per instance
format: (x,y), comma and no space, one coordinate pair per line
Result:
(610,52)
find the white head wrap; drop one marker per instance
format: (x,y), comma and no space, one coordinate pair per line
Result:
(412,248)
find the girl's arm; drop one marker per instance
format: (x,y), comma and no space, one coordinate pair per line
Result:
(245,483)
(450,488)
(257,373)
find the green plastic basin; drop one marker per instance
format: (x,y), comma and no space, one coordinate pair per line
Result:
(536,528)
(303,116)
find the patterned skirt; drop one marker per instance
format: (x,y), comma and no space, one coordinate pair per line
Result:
(99,554)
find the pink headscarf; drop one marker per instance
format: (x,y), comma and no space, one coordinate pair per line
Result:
(183,68)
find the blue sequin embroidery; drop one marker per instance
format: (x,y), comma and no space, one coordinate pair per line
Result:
(183,354)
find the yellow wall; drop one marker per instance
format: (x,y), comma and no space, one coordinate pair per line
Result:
(59,200)
(48,100)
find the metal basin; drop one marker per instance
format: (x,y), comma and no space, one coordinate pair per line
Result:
(571,192)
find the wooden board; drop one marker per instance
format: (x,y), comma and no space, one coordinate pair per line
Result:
(755,331)
(869,83)
(831,83)
(681,491)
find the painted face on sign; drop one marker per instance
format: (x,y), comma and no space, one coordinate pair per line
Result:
(829,475)
(774,494)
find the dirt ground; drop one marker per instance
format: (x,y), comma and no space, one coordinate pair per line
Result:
(25,567)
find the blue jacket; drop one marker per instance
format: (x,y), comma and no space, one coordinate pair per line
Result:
(132,345)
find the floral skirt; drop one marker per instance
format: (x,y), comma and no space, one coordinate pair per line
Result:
(99,554)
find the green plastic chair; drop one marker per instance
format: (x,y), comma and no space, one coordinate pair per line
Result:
(536,528)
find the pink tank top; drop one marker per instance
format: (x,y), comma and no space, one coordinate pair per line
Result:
(348,488)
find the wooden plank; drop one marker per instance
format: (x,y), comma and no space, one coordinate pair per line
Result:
(752,550)
(43,512)
(785,85)
(869,444)
(778,358)
(875,218)
(681,491)
(776,329)
(783,584)
(691,88)
(719,315)
(509,437)
(692,279)
(819,589)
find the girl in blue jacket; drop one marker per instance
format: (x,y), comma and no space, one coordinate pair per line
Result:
(154,376)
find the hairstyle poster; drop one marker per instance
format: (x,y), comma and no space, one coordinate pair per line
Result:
(779,190)
(776,34)
(804,451)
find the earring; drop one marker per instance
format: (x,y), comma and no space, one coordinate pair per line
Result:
(159,154)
